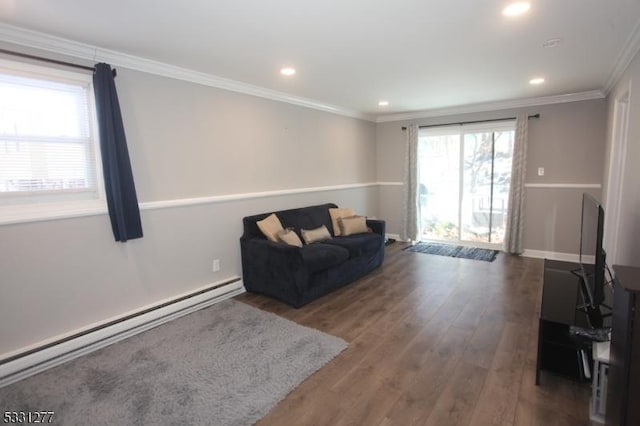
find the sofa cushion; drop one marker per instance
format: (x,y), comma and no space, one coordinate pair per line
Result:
(270,226)
(336,214)
(320,256)
(365,244)
(305,218)
(302,218)
(313,235)
(353,225)
(288,236)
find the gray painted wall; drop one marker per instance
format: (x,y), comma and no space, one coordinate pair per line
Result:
(568,141)
(627,247)
(188,141)
(185,141)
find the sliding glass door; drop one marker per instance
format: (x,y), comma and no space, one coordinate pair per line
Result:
(464,174)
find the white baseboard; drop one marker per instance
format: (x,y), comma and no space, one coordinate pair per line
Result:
(39,361)
(541,254)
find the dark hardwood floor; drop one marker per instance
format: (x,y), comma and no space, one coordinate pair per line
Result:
(432,341)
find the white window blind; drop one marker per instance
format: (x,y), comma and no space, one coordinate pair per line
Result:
(48,150)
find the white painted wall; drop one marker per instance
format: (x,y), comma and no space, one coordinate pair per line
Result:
(627,247)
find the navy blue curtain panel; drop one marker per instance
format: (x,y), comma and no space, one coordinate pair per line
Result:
(118,178)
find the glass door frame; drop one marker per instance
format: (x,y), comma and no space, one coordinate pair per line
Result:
(462,130)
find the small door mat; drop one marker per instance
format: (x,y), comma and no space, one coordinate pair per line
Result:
(454,251)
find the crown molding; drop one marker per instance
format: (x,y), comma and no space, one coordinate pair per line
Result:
(626,55)
(62,46)
(493,106)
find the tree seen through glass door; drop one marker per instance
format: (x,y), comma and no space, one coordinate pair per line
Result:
(464,184)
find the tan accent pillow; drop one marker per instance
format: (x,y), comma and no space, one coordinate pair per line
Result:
(336,214)
(288,236)
(353,225)
(312,235)
(270,226)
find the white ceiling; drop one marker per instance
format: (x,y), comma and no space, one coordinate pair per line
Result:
(417,54)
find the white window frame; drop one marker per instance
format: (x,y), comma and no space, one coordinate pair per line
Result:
(50,205)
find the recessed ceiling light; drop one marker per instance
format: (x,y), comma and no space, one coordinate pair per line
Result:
(383,103)
(537,80)
(515,9)
(552,42)
(288,71)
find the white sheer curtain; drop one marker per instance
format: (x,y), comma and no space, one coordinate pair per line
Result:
(515,212)
(411,203)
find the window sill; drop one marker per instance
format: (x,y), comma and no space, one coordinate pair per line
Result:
(44,212)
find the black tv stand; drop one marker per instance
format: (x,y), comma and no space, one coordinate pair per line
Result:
(563,306)
(594,313)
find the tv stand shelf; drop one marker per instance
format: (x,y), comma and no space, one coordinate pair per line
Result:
(558,351)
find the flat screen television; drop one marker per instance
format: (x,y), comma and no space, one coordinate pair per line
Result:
(592,254)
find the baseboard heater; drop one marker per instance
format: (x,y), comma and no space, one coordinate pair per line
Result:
(35,360)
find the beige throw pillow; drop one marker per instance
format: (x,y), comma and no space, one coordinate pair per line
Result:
(270,226)
(353,225)
(288,236)
(313,235)
(336,214)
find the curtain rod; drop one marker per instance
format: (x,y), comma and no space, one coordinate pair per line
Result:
(471,122)
(53,61)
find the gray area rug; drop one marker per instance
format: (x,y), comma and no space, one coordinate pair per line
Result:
(228,364)
(454,251)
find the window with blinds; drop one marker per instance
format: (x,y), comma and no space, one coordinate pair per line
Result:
(48,149)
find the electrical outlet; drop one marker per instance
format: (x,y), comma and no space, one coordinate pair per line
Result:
(216,265)
(540,171)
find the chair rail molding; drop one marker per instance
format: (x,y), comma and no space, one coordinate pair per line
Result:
(209,199)
(564,185)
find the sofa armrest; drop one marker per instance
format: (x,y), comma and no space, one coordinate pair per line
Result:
(378,226)
(274,269)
